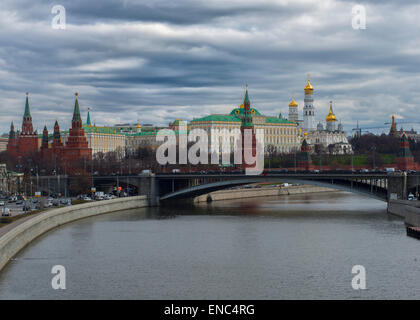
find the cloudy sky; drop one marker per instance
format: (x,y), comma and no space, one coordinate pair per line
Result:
(160,60)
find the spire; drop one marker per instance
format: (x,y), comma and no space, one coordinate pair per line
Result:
(393,129)
(27,112)
(246,99)
(76,112)
(12,133)
(45,137)
(88,118)
(247,119)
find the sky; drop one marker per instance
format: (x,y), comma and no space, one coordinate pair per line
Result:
(156,61)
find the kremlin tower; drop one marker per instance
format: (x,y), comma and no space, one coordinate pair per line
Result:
(12,144)
(24,143)
(308,109)
(247,124)
(77,145)
(305,161)
(393,129)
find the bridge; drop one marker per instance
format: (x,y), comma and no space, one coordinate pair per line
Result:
(166,186)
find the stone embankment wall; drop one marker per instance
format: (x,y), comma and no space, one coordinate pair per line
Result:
(18,237)
(409,210)
(230,194)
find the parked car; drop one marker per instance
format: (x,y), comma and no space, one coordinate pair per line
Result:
(87,198)
(411,197)
(48,204)
(2,203)
(5,212)
(19,202)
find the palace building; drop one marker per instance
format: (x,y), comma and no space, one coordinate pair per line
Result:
(279,133)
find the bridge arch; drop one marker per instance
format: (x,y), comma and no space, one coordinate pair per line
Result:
(342,185)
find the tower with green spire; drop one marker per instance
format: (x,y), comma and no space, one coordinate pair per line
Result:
(27,127)
(26,141)
(77,119)
(77,146)
(88,123)
(247,147)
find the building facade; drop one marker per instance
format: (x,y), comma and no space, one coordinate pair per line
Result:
(279,133)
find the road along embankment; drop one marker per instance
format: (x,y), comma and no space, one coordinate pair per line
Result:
(230,194)
(409,210)
(15,239)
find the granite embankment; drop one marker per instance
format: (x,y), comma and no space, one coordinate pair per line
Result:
(409,210)
(23,232)
(230,194)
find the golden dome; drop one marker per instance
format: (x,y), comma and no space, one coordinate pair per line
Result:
(293,103)
(241,106)
(309,89)
(330,116)
(138,125)
(305,134)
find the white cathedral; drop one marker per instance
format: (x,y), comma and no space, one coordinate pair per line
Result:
(331,139)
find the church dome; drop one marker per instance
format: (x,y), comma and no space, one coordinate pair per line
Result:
(330,116)
(309,89)
(293,103)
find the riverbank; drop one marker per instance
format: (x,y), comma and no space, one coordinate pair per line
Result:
(27,229)
(231,194)
(409,210)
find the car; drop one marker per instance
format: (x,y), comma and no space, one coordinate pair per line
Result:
(19,202)
(411,197)
(2,203)
(87,198)
(5,212)
(48,204)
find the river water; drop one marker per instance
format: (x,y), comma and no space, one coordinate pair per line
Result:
(289,247)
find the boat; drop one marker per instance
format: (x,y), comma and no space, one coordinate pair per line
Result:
(413,232)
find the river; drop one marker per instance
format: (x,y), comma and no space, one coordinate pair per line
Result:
(288,247)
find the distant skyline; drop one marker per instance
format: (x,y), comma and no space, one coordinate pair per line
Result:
(160,60)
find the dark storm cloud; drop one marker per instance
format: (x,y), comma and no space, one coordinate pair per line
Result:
(160,60)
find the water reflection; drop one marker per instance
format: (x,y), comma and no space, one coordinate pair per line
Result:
(289,247)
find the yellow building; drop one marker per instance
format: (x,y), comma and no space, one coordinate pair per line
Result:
(279,132)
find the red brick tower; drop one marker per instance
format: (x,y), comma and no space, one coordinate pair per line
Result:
(393,130)
(77,145)
(27,139)
(405,160)
(12,144)
(247,125)
(57,145)
(305,161)
(45,151)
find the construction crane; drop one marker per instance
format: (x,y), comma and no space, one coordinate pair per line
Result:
(402,122)
(358,130)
